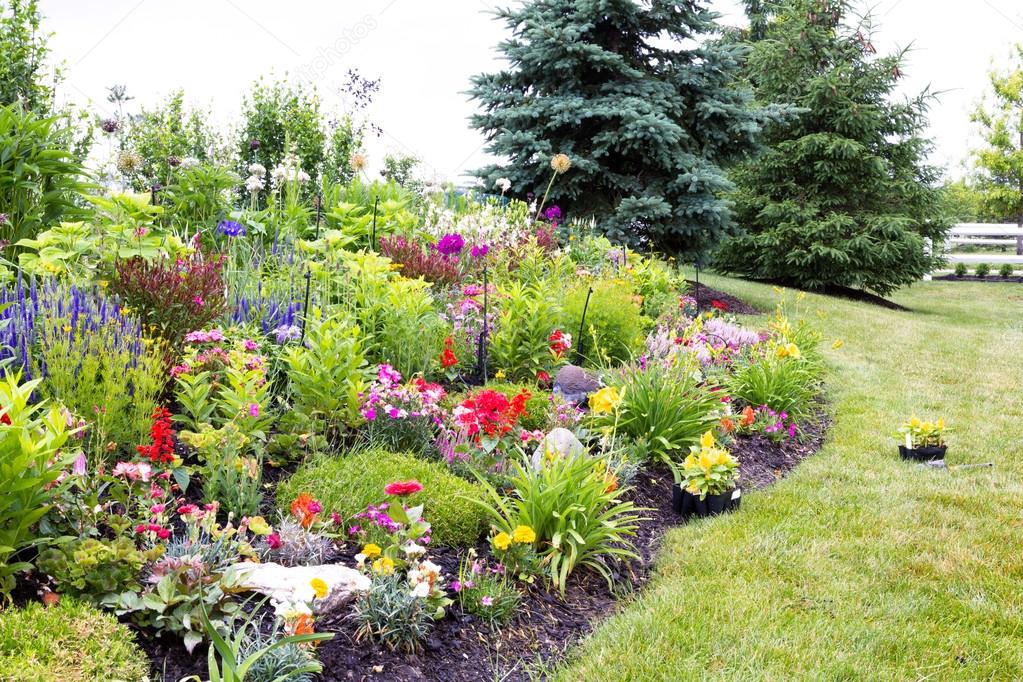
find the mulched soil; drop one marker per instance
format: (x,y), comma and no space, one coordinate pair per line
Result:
(1016,279)
(705,298)
(461,648)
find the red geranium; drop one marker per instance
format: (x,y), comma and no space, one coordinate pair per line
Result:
(403,488)
(491,412)
(560,342)
(447,358)
(719,305)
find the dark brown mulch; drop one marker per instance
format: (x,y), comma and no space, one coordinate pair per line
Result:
(461,648)
(706,297)
(863,297)
(973,278)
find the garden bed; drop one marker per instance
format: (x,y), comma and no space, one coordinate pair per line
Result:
(712,299)
(463,648)
(1015,279)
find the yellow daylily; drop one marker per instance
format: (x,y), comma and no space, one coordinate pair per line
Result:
(605,400)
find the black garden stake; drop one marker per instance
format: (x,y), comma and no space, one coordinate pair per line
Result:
(481,341)
(582,326)
(697,264)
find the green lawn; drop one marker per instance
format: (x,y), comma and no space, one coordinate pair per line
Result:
(858,566)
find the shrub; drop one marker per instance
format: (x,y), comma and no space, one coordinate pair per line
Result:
(172,298)
(573,508)
(417,261)
(350,483)
(662,409)
(520,347)
(40,180)
(31,460)
(960,269)
(329,373)
(1005,270)
(391,613)
(982,270)
(68,642)
(199,196)
(93,568)
(614,325)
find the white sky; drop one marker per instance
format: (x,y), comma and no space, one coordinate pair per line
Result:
(425,52)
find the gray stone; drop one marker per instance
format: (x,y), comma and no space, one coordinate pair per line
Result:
(292,583)
(559,442)
(575,384)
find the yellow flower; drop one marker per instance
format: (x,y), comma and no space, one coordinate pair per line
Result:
(502,541)
(605,400)
(319,587)
(914,423)
(788,350)
(707,440)
(259,526)
(838,344)
(707,459)
(371,551)
(383,566)
(941,424)
(67,328)
(561,163)
(524,535)
(500,375)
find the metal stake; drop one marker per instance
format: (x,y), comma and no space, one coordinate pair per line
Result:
(582,325)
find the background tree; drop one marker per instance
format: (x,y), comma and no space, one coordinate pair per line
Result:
(1000,162)
(640,97)
(842,197)
(24,78)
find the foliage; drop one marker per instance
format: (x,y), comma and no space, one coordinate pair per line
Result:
(350,483)
(31,459)
(391,613)
(24,80)
(485,592)
(520,346)
(67,642)
(1005,270)
(982,269)
(93,568)
(291,544)
(960,269)
(165,136)
(614,322)
(198,196)
(402,416)
(401,169)
(417,261)
(279,117)
(923,434)
(577,517)
(329,373)
(842,196)
(662,409)
(1000,161)
(537,408)
(595,82)
(230,476)
(40,180)
(785,383)
(708,470)
(172,298)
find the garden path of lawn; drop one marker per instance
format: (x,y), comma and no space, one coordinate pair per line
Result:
(858,566)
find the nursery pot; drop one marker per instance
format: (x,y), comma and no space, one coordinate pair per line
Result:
(688,504)
(927,454)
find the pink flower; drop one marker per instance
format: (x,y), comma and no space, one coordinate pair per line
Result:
(487,601)
(155,491)
(198,301)
(273,541)
(78,468)
(253,409)
(335,518)
(163,533)
(126,469)
(141,528)
(456,586)
(157,508)
(145,471)
(403,488)
(178,370)
(250,345)
(187,509)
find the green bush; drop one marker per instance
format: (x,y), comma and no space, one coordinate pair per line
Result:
(520,346)
(982,270)
(614,322)
(1005,270)
(349,483)
(783,384)
(69,642)
(960,269)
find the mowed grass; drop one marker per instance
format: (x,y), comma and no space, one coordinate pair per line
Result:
(858,566)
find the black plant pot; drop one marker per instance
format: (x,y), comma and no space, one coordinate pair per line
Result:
(928,454)
(687,504)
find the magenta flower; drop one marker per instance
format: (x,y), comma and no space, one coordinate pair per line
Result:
(487,601)
(253,409)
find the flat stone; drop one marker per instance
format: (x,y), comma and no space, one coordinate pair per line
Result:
(292,583)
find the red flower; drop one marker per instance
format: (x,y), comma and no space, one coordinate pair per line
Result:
(403,488)
(719,305)
(543,377)
(273,541)
(5,418)
(560,342)
(162,449)
(447,358)
(305,508)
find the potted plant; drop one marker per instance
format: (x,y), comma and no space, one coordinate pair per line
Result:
(707,481)
(924,440)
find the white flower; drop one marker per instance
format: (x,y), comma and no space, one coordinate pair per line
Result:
(189,162)
(413,550)
(279,175)
(254,184)
(504,184)
(257,169)
(422,590)
(360,558)
(303,177)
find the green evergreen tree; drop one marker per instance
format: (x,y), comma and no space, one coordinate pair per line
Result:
(1000,161)
(641,96)
(842,197)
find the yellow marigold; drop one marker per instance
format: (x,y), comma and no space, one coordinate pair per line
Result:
(371,551)
(561,163)
(502,541)
(320,588)
(383,566)
(524,535)
(605,400)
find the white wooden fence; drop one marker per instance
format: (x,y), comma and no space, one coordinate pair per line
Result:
(983,234)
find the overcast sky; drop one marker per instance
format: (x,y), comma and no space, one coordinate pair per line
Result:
(425,52)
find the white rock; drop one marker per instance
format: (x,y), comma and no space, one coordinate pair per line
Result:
(560,442)
(291,584)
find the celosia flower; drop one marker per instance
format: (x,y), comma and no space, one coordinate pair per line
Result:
(403,488)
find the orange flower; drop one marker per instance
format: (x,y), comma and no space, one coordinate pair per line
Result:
(727,425)
(612,483)
(305,508)
(303,625)
(747,416)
